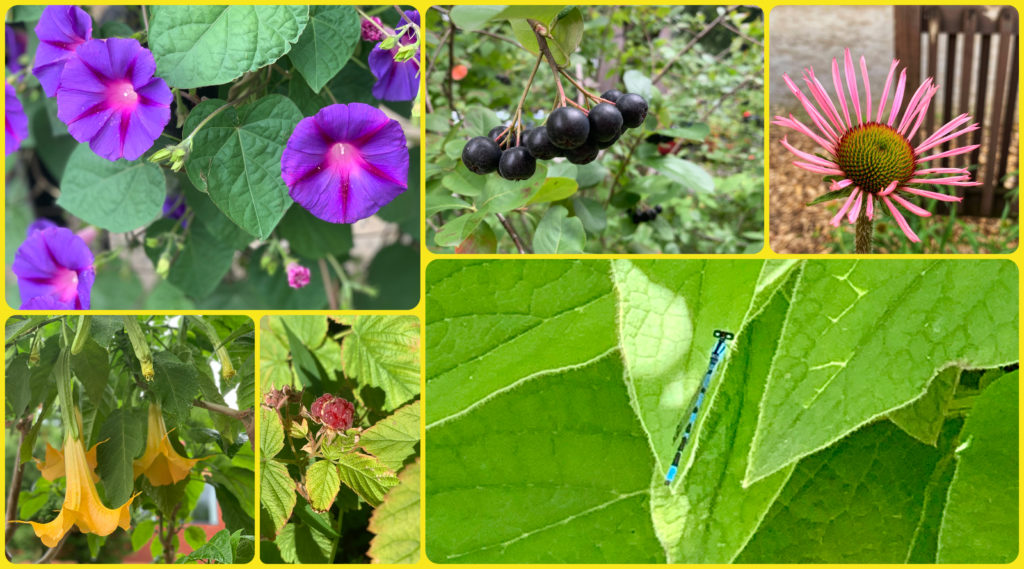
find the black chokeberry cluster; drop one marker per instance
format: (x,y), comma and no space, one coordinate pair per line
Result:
(569,132)
(644,213)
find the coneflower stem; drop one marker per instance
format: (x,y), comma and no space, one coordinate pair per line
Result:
(862,242)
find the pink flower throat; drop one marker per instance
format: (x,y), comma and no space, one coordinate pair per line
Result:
(121,95)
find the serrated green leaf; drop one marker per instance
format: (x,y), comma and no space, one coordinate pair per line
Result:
(366,476)
(124,435)
(300,543)
(383,351)
(326,44)
(923,418)
(848,316)
(393,438)
(396,523)
(176,384)
(322,484)
(236,158)
(217,550)
(559,233)
(304,363)
(277,492)
(982,516)
(196,46)
(195,537)
(271,434)
(117,196)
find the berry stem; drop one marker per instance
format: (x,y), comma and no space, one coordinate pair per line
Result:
(588,94)
(545,51)
(517,117)
(864,229)
(578,106)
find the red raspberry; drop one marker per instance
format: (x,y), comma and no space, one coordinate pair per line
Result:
(332,412)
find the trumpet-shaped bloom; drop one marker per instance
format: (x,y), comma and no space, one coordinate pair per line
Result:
(346,162)
(397,80)
(61,29)
(109,98)
(52,467)
(54,270)
(15,121)
(161,464)
(82,504)
(870,155)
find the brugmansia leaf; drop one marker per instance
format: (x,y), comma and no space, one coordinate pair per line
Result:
(322,484)
(396,522)
(277,492)
(383,351)
(124,435)
(176,384)
(392,439)
(366,476)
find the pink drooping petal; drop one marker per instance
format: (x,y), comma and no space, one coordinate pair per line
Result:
(949,180)
(851,84)
(924,113)
(794,124)
(919,98)
(960,171)
(871,207)
(901,221)
(846,207)
(819,120)
(824,100)
(897,98)
(945,129)
(948,153)
(839,92)
(818,169)
(885,90)
(889,189)
(854,212)
(840,184)
(945,139)
(867,87)
(932,195)
(809,157)
(911,207)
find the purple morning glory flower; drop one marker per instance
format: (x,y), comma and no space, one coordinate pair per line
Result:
(54,263)
(346,162)
(15,41)
(39,225)
(109,98)
(397,80)
(61,29)
(15,121)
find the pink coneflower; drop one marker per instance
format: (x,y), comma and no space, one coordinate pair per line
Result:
(871,156)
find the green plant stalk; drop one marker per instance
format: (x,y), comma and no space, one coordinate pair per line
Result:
(138,340)
(33,355)
(65,391)
(81,334)
(863,240)
(227,370)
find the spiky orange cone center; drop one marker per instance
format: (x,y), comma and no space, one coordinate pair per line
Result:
(874,155)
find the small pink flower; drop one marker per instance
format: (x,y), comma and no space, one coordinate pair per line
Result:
(298,276)
(870,155)
(332,412)
(372,32)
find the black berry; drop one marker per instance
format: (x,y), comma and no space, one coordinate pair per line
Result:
(517,164)
(605,122)
(481,155)
(540,145)
(495,132)
(611,95)
(633,108)
(657,209)
(568,128)
(583,154)
(607,143)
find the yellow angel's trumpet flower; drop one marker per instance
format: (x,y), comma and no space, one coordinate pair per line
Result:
(82,504)
(52,467)
(161,464)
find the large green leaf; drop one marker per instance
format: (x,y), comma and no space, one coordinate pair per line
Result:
(322,484)
(277,492)
(396,523)
(123,436)
(383,351)
(474,17)
(302,543)
(982,517)
(864,338)
(313,238)
(271,434)
(92,367)
(366,476)
(236,158)
(326,44)
(201,264)
(559,233)
(563,38)
(117,196)
(176,384)
(392,439)
(195,46)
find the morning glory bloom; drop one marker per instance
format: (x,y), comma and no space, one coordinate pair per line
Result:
(109,98)
(54,270)
(346,162)
(61,29)
(15,121)
(15,40)
(397,80)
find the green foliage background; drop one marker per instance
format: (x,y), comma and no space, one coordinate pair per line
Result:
(866,412)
